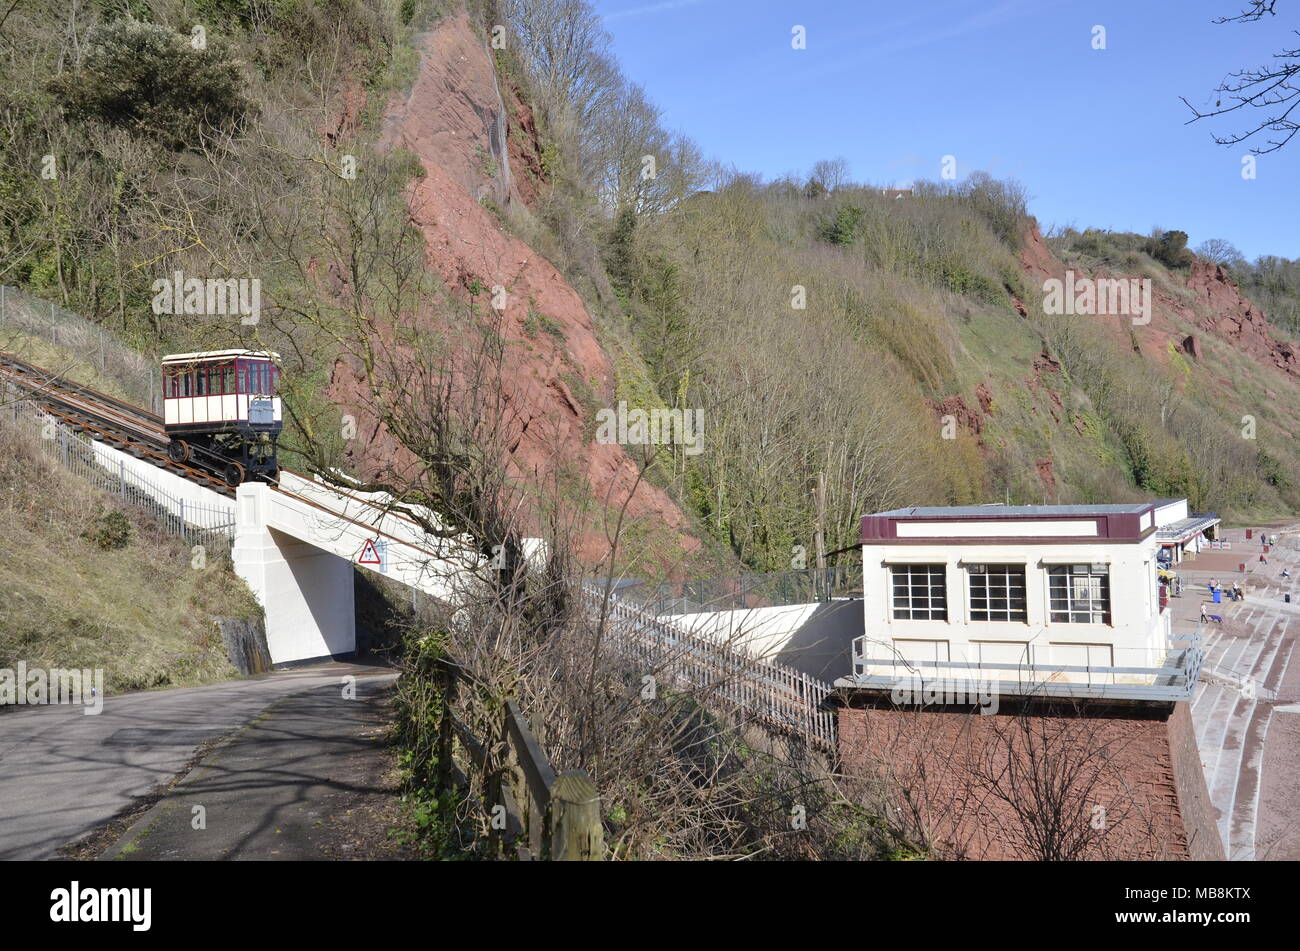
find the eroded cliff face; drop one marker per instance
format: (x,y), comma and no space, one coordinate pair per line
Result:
(477,151)
(1198,307)
(1215,306)
(1234,318)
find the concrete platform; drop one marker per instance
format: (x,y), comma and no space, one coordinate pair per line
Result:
(1249,741)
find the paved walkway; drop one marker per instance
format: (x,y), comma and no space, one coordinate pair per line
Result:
(64,774)
(282,788)
(1248,693)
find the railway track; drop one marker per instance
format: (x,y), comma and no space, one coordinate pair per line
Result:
(103,418)
(139,432)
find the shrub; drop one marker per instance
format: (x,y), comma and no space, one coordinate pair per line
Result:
(1003,205)
(842,228)
(152,82)
(1170,249)
(110,531)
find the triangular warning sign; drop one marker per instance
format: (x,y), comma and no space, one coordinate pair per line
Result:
(368,554)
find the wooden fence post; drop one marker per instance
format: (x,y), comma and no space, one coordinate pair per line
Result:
(576,831)
(444,727)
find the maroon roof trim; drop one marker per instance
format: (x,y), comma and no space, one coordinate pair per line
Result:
(1117,527)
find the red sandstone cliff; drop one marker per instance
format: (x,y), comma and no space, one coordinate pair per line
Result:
(476,150)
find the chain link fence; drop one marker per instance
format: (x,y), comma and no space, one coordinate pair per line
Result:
(746,591)
(134,374)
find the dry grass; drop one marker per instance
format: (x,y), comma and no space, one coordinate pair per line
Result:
(141,612)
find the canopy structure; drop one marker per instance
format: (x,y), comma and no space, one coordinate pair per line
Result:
(1186,534)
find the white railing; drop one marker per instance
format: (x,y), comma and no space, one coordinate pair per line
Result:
(762,690)
(1168,673)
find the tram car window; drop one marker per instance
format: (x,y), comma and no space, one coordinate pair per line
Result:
(221,412)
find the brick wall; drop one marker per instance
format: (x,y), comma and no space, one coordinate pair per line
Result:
(1073,780)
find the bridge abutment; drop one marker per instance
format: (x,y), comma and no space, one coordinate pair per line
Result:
(306,592)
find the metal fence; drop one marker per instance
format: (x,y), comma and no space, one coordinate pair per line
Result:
(209,524)
(746,592)
(134,373)
(1169,673)
(760,690)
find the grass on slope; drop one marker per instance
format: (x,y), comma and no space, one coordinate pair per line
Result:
(139,612)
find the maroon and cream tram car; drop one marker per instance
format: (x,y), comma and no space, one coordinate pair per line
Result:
(221,410)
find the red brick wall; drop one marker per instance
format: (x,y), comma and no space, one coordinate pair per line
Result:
(1204,844)
(1028,784)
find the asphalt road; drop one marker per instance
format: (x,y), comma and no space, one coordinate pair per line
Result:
(63,774)
(279,788)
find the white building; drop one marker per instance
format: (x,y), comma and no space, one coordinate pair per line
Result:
(1059,599)
(1181,533)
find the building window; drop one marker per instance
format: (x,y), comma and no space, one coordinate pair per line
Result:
(920,592)
(1080,594)
(997,592)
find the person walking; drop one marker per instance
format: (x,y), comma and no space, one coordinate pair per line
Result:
(1204,616)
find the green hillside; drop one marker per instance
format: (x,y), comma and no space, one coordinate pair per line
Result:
(820,325)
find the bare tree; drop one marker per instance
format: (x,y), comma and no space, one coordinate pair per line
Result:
(829,174)
(1272,89)
(1045,782)
(1220,252)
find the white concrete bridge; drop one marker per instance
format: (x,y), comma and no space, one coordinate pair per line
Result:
(296,545)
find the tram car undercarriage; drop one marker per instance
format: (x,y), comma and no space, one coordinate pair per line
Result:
(221,412)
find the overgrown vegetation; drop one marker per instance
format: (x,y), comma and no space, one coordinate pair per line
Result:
(109,591)
(824,327)
(152,82)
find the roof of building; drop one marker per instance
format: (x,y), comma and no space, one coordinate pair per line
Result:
(1185,528)
(1016,511)
(205,355)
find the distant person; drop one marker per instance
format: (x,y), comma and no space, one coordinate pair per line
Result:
(1263,559)
(1204,616)
(1285,573)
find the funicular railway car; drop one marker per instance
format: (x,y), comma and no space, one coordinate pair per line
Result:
(221,411)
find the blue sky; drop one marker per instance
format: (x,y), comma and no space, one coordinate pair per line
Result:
(1012,87)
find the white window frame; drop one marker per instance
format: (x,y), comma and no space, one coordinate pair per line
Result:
(933,570)
(983,571)
(1094,570)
